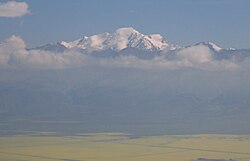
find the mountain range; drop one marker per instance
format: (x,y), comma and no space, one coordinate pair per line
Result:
(183,95)
(121,39)
(129,41)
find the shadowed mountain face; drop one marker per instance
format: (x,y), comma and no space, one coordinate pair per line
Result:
(146,102)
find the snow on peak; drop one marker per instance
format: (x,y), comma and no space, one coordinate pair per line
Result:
(122,38)
(215,46)
(232,49)
(211,46)
(158,41)
(126,31)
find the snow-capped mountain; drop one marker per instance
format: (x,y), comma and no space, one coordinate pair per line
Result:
(212,46)
(222,53)
(121,39)
(128,41)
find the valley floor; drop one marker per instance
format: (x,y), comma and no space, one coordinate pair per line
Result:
(124,147)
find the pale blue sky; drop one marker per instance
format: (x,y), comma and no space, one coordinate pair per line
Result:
(226,22)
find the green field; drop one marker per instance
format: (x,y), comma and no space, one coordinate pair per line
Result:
(123,147)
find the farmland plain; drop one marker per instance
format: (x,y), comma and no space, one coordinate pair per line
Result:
(123,147)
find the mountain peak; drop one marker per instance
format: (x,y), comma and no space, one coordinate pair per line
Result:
(121,38)
(126,37)
(215,46)
(126,30)
(211,45)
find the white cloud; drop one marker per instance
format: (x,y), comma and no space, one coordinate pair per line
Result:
(13,9)
(198,57)
(13,54)
(201,57)
(196,54)
(160,62)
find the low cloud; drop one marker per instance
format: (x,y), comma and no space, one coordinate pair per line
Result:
(202,57)
(13,9)
(13,54)
(198,57)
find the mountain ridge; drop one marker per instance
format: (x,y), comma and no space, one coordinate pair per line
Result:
(120,39)
(129,41)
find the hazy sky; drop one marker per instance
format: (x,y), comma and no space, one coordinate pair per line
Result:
(226,22)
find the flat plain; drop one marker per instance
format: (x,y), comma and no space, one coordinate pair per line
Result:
(123,147)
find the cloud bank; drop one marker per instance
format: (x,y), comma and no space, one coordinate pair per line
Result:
(13,9)
(13,54)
